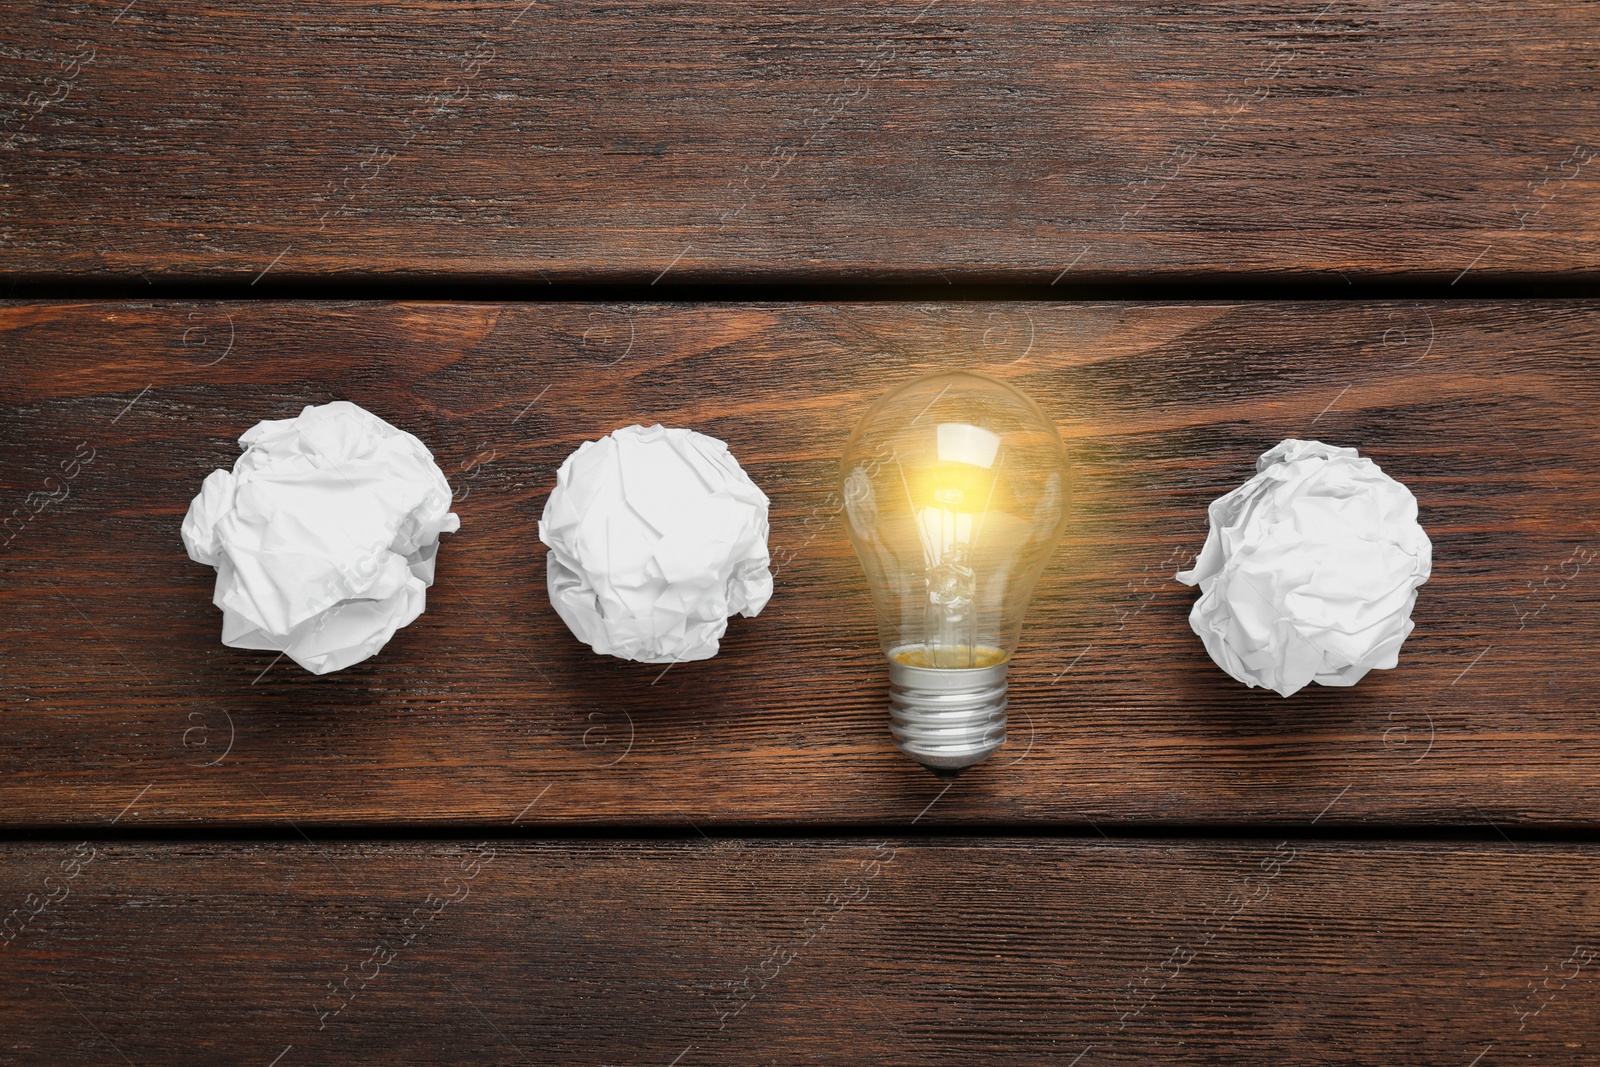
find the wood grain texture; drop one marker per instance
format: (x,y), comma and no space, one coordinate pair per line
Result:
(172,141)
(746,952)
(116,687)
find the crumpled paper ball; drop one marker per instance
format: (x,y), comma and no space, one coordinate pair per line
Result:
(323,536)
(656,537)
(1310,570)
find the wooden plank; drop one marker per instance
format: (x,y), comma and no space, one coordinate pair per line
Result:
(1255,952)
(172,142)
(116,684)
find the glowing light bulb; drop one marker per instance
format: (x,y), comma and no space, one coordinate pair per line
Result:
(955,494)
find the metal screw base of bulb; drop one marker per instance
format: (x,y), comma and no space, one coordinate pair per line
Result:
(947,719)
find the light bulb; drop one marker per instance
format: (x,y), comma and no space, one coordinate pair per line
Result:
(955,494)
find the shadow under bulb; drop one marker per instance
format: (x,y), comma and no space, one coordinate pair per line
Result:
(955,495)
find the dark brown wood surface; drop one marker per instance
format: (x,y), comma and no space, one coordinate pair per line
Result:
(870,951)
(118,693)
(168,142)
(488,845)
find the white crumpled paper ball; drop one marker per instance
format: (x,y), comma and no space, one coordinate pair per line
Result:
(323,536)
(656,537)
(1310,570)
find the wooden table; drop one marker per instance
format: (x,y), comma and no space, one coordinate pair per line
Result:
(512,227)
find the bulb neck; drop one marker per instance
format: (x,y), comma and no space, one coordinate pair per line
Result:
(945,718)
